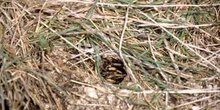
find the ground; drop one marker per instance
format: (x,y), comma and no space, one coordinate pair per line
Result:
(110,54)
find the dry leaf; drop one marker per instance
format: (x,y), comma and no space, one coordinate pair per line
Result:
(10,50)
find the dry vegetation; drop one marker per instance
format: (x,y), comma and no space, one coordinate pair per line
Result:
(51,54)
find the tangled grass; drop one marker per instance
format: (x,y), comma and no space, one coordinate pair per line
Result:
(51,54)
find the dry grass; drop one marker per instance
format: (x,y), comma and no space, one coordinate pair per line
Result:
(51,54)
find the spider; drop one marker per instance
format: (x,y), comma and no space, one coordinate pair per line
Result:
(113,70)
